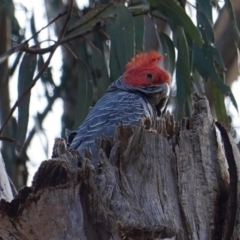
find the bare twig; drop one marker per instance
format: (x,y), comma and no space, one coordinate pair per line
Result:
(94,16)
(23,47)
(69,13)
(140,13)
(7,139)
(63,31)
(104,34)
(79,35)
(52,21)
(70,50)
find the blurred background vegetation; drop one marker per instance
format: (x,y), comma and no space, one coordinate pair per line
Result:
(96,42)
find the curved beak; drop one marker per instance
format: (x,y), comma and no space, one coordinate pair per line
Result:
(159,97)
(158,93)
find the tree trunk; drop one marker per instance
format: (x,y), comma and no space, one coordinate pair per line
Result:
(180,184)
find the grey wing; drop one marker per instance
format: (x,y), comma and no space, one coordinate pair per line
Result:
(109,111)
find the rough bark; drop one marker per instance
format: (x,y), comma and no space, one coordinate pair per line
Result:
(171,182)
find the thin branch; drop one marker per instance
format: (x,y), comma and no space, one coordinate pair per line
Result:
(52,21)
(191,4)
(63,31)
(26,91)
(88,20)
(7,139)
(140,13)
(70,50)
(69,13)
(23,47)
(104,34)
(79,35)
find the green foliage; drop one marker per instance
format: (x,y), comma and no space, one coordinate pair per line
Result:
(176,15)
(182,72)
(107,36)
(166,47)
(100,70)
(84,92)
(29,62)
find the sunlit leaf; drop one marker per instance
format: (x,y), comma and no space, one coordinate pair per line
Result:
(26,72)
(175,14)
(84,93)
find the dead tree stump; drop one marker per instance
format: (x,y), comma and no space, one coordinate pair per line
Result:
(171,182)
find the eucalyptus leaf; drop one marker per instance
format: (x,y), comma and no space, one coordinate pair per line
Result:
(26,72)
(139,29)
(204,63)
(217,57)
(219,105)
(114,65)
(97,16)
(46,77)
(84,93)
(209,59)
(198,85)
(138,2)
(205,7)
(205,28)
(33,29)
(183,78)
(167,49)
(176,15)
(139,8)
(100,70)
(124,33)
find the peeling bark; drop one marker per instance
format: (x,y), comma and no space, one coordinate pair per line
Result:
(167,182)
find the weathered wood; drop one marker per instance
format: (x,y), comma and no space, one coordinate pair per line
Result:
(180,184)
(5,185)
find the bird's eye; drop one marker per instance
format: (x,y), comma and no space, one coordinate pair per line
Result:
(149,75)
